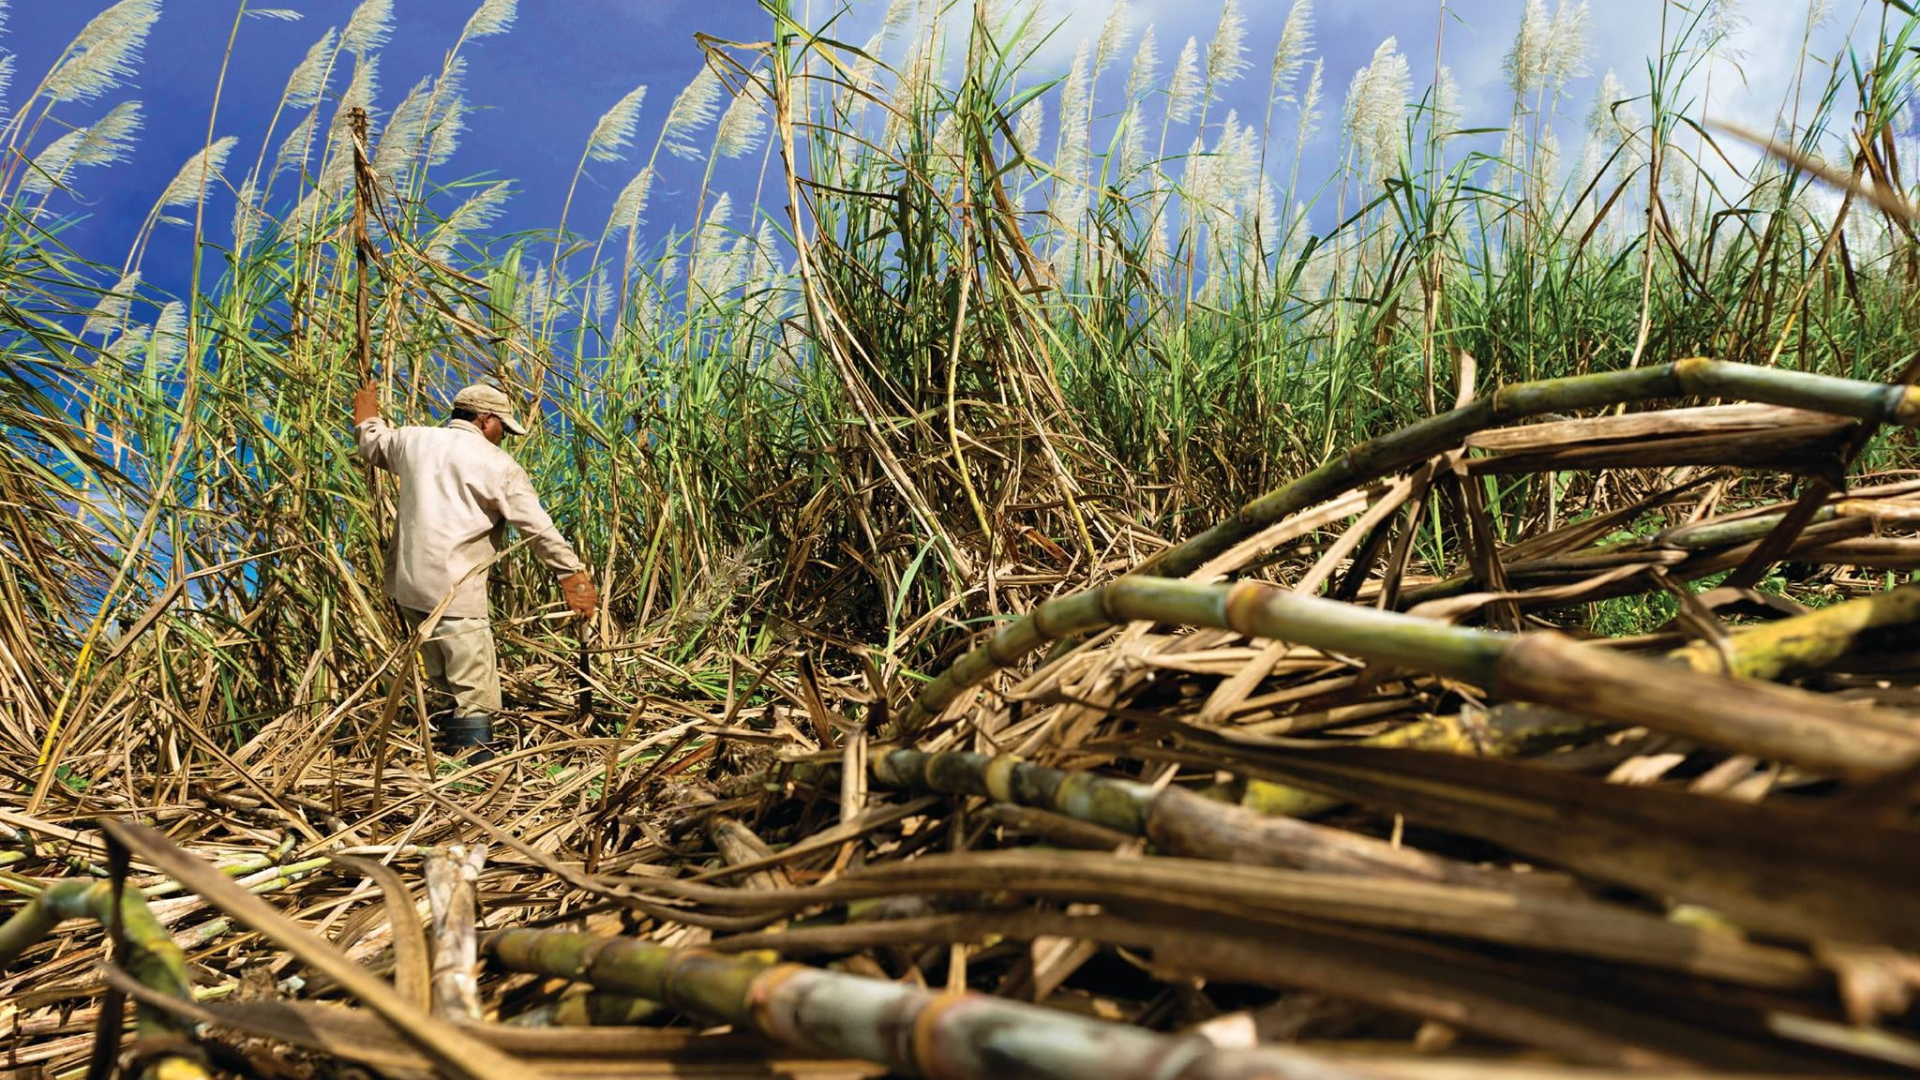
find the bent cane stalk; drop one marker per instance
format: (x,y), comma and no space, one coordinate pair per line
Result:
(914,1031)
(1775,722)
(1783,649)
(1694,377)
(1176,820)
(153,959)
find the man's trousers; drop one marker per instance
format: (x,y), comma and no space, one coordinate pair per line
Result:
(460,663)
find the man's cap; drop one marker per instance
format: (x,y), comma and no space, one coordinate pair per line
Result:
(482,398)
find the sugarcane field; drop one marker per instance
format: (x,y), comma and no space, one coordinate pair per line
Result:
(959,539)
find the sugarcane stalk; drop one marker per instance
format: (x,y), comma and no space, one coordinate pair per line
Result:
(451,874)
(1782,649)
(1788,648)
(152,957)
(1694,377)
(1176,820)
(913,1031)
(1777,722)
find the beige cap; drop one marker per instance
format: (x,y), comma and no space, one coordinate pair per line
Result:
(481,398)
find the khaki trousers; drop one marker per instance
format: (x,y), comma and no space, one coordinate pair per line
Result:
(460,662)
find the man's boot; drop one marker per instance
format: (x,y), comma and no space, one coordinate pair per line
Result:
(467,736)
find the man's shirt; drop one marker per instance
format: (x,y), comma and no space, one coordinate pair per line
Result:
(457,491)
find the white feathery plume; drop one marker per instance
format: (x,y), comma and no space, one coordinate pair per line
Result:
(1197,176)
(763,267)
(1074,103)
(1264,224)
(492,17)
(1376,103)
(126,347)
(1243,163)
(899,16)
(105,52)
(1310,101)
(714,228)
(1069,212)
(738,133)
(1526,65)
(599,297)
(1030,126)
(1513,152)
(1113,36)
(613,132)
(1184,91)
(336,175)
(476,213)
(710,268)
(170,333)
(866,71)
(650,292)
(296,146)
(404,135)
(1133,144)
(309,78)
(1446,102)
(6,78)
(448,124)
(909,96)
(1817,12)
(1545,167)
(695,108)
(1724,19)
(107,141)
(630,206)
(1146,66)
(1290,56)
(202,170)
(1158,213)
(368,27)
(447,115)
(247,216)
(534,293)
(311,210)
(360,91)
(1227,52)
(275,14)
(667,270)
(111,309)
(1070,195)
(3,16)
(1565,56)
(1613,119)
(947,149)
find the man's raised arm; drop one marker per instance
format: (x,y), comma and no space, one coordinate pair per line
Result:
(371,433)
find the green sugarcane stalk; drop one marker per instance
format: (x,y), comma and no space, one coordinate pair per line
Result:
(1783,649)
(1776,722)
(152,957)
(1178,821)
(913,1031)
(1694,377)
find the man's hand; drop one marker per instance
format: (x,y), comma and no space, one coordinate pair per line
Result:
(582,598)
(366,403)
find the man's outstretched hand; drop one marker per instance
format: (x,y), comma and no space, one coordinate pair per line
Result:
(366,403)
(582,598)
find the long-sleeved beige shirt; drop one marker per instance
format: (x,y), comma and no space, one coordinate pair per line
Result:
(457,493)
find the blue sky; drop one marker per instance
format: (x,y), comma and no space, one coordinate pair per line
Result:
(539,89)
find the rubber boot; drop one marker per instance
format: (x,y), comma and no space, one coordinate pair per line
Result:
(468,737)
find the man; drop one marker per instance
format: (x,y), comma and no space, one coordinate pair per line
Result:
(458,491)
